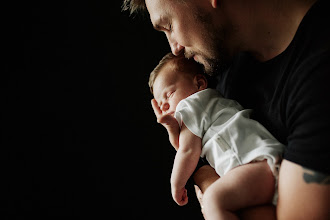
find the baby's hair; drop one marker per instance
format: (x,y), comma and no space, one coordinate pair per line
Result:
(180,64)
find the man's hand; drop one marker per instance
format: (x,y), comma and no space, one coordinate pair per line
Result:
(199,195)
(169,122)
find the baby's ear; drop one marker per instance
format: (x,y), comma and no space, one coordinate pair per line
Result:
(201,81)
(214,3)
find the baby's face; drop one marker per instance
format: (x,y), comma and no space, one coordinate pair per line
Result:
(170,87)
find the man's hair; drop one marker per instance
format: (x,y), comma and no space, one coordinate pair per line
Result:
(134,6)
(180,64)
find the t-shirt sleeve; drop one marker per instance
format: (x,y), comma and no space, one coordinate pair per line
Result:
(308,115)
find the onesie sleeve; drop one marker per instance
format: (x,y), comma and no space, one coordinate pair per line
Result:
(189,111)
(199,111)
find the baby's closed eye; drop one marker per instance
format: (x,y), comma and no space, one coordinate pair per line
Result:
(169,94)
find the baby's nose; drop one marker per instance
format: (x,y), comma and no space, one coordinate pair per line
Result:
(165,107)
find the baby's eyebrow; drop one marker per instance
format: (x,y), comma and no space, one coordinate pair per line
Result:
(163,96)
(157,98)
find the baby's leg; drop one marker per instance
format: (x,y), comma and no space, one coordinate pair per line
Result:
(247,185)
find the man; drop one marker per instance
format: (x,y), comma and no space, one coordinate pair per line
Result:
(272,56)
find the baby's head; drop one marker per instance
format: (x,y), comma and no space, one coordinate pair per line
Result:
(175,78)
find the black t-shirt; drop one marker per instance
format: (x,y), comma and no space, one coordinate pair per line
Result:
(290,94)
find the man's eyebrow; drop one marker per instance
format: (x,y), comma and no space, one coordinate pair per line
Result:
(157,27)
(158,21)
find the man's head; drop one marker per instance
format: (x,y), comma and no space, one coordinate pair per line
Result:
(212,31)
(174,79)
(191,29)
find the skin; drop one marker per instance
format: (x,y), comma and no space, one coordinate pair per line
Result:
(170,87)
(211,32)
(265,29)
(247,185)
(254,180)
(206,176)
(176,25)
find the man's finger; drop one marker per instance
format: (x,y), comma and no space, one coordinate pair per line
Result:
(199,194)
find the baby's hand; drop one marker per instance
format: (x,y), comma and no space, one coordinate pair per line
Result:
(167,120)
(180,196)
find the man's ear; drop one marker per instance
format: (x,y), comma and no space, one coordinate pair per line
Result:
(214,3)
(200,81)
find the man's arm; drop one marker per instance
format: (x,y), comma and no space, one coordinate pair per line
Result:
(204,177)
(303,193)
(185,162)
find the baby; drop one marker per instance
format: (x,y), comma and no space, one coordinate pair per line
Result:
(201,123)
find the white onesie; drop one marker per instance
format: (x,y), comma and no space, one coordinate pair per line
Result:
(229,137)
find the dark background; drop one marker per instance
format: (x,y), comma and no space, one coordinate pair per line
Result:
(78,135)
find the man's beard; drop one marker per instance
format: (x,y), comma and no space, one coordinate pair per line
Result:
(218,59)
(215,66)
(217,63)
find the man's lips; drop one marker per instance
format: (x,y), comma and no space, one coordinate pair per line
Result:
(197,57)
(191,55)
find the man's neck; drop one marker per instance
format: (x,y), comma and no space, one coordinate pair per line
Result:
(273,30)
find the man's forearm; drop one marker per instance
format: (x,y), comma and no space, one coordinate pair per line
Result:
(205,176)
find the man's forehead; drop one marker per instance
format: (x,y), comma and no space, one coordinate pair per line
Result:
(157,10)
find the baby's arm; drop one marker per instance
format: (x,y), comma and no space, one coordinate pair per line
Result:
(173,129)
(185,162)
(169,122)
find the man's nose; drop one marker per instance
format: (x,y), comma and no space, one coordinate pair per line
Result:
(165,106)
(175,47)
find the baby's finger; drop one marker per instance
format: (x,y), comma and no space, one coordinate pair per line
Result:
(182,199)
(185,198)
(166,119)
(156,108)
